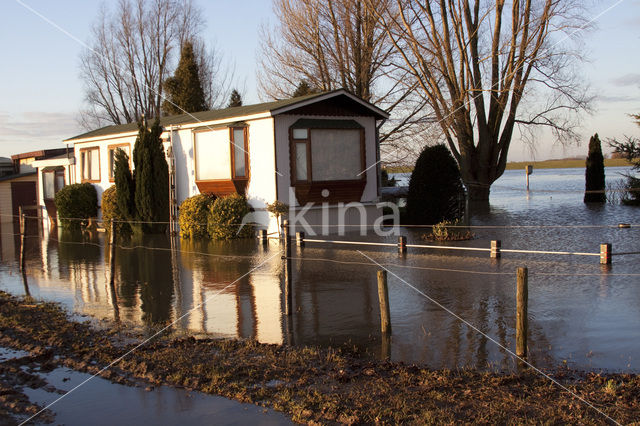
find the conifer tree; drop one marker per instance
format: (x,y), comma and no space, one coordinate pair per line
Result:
(235,100)
(125,187)
(151,176)
(184,89)
(594,174)
(304,89)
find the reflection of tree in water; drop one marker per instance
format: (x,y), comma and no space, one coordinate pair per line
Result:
(147,272)
(77,250)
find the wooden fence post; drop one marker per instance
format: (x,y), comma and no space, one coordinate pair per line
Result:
(383,297)
(262,234)
(402,244)
(23,232)
(605,254)
(522,301)
(300,239)
(496,245)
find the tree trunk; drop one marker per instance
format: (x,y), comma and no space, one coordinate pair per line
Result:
(478,191)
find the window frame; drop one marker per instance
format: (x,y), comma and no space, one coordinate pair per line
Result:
(82,164)
(113,147)
(232,163)
(308,141)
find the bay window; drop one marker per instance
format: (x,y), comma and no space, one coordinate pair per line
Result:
(222,160)
(90,164)
(327,155)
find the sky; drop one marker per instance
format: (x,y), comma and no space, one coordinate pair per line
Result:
(41,93)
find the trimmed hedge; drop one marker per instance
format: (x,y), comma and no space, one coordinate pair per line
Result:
(226,215)
(194,214)
(77,201)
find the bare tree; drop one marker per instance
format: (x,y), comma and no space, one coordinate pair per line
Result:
(134,49)
(487,67)
(339,44)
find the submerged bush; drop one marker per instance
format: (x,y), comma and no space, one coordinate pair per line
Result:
(75,204)
(194,212)
(450,231)
(226,217)
(111,211)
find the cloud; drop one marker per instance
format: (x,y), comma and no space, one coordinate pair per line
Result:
(33,130)
(627,80)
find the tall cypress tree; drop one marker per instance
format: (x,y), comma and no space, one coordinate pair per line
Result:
(125,187)
(594,174)
(184,89)
(151,178)
(235,100)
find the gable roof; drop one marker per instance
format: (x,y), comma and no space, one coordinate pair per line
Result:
(274,108)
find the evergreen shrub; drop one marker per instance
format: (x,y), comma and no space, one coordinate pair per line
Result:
(194,213)
(77,201)
(111,211)
(226,216)
(435,188)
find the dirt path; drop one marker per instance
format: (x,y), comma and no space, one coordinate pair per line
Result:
(315,385)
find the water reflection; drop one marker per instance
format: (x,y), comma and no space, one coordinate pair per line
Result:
(591,320)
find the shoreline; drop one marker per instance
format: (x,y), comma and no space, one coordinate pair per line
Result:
(309,384)
(566,163)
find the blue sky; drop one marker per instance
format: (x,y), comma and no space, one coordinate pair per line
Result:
(41,93)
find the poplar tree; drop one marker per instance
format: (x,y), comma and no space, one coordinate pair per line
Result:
(594,174)
(235,100)
(151,176)
(184,89)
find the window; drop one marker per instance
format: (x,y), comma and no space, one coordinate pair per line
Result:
(112,157)
(221,154)
(327,160)
(240,152)
(90,164)
(212,155)
(328,154)
(52,182)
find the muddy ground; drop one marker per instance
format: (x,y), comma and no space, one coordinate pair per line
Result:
(309,384)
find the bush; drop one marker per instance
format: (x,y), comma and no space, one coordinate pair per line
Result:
(435,188)
(226,217)
(77,201)
(278,209)
(194,212)
(111,211)
(450,231)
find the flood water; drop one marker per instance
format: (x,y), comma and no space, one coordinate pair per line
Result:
(580,312)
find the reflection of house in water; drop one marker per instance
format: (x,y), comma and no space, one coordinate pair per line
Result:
(248,308)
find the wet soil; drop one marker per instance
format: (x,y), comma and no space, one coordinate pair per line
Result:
(309,384)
